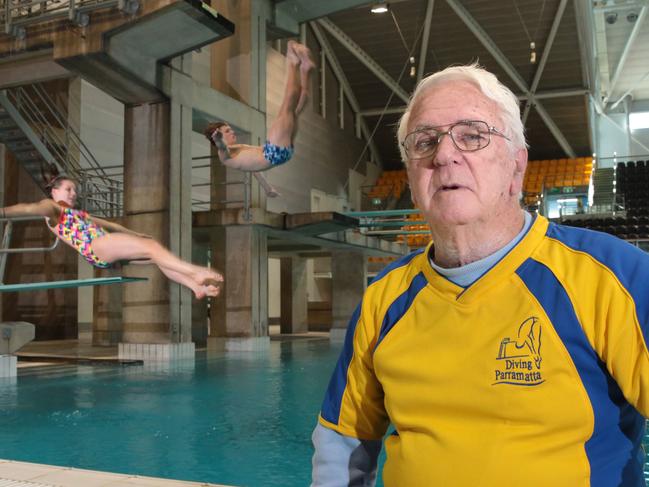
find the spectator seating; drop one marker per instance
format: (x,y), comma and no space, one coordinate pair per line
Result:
(390,184)
(553,173)
(632,181)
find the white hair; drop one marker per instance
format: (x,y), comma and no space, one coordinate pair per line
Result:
(490,87)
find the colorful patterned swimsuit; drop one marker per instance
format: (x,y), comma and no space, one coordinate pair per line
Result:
(77,228)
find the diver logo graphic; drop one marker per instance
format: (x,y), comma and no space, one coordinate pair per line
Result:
(520,359)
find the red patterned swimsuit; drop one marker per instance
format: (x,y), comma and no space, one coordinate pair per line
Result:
(77,228)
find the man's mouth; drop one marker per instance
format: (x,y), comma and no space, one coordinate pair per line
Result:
(449,187)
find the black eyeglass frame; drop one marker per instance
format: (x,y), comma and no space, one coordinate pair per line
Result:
(490,130)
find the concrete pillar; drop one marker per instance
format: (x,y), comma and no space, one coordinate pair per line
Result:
(157,201)
(107,329)
(348,274)
(238,61)
(293,317)
(180,191)
(200,256)
(8,367)
(85,294)
(240,316)
(146,313)
(2,200)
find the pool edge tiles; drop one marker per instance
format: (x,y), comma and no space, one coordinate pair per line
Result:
(40,475)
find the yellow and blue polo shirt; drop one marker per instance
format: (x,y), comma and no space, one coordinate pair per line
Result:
(537,374)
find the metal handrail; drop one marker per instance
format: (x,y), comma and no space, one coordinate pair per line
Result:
(7,238)
(21,14)
(64,149)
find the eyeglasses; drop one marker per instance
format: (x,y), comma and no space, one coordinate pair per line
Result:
(467,136)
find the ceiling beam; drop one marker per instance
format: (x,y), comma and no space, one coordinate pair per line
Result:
(347,89)
(545,56)
(364,58)
(627,92)
(504,63)
(421,67)
(487,42)
(585,35)
(561,139)
(601,60)
(613,6)
(627,49)
(289,14)
(541,95)
(305,10)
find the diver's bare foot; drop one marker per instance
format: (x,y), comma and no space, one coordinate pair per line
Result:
(205,277)
(292,52)
(206,291)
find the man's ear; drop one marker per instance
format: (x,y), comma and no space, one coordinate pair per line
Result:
(520,165)
(412,193)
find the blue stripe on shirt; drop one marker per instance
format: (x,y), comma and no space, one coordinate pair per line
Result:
(629,264)
(613,449)
(338,382)
(400,305)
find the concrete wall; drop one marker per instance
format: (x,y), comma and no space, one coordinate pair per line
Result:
(274,288)
(102,125)
(616,140)
(640,146)
(323,152)
(53,312)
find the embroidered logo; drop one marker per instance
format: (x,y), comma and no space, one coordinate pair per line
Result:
(519,360)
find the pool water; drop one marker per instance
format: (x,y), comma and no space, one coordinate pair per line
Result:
(244,420)
(241,420)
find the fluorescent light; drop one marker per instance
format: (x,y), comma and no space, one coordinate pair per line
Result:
(639,120)
(379,8)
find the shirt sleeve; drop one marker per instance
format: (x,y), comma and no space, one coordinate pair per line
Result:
(623,333)
(342,460)
(354,402)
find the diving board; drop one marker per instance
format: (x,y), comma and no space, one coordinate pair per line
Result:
(36,286)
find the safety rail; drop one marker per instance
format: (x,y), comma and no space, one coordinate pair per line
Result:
(16,15)
(406,225)
(70,153)
(5,250)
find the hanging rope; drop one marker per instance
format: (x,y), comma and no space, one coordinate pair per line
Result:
(387,104)
(531,39)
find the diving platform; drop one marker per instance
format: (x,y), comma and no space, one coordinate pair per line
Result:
(315,233)
(122,50)
(37,286)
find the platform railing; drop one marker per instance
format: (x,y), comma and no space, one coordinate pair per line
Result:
(17,15)
(5,250)
(50,123)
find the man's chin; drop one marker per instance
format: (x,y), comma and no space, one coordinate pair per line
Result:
(453,217)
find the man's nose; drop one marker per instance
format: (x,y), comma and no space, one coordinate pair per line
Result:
(446,152)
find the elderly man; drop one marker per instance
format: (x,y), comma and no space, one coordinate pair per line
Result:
(511,351)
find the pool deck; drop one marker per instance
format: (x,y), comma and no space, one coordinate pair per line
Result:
(22,474)
(43,353)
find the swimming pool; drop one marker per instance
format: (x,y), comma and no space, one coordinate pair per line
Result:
(241,420)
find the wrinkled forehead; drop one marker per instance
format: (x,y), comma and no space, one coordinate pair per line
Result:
(450,102)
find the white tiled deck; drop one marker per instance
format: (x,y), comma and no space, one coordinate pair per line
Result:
(22,474)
